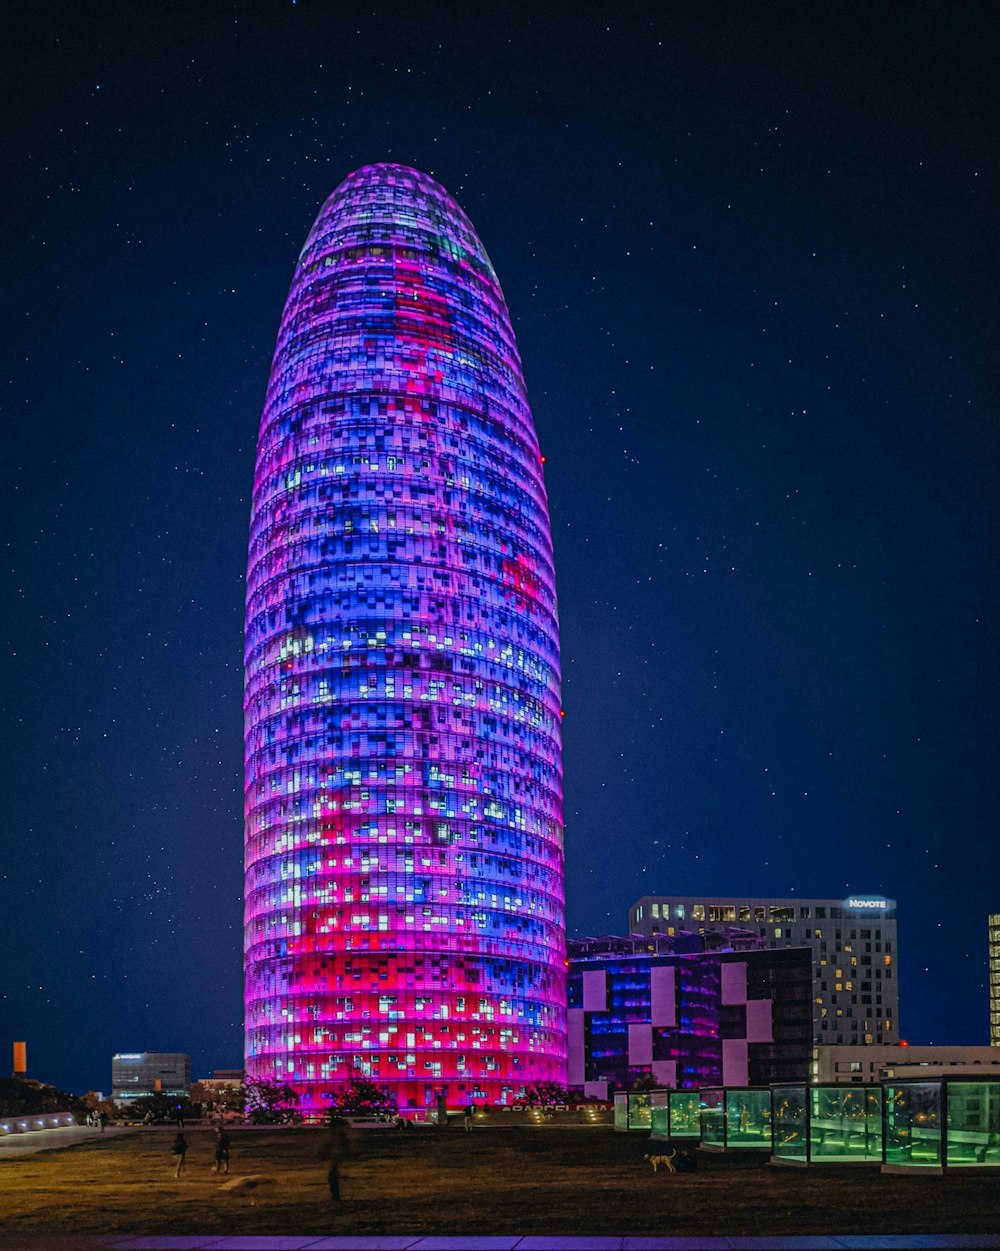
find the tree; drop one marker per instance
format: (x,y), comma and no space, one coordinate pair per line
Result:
(218,1099)
(545,1094)
(20,1097)
(645,1081)
(268,1103)
(359,1096)
(157,1106)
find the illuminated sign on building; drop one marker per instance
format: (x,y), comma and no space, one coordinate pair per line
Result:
(865,901)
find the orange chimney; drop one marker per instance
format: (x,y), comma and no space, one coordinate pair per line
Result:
(20,1059)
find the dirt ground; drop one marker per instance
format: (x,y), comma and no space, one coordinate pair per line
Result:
(543,1181)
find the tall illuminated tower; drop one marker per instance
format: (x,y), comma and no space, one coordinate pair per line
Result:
(404,862)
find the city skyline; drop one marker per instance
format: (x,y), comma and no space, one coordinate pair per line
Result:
(745,258)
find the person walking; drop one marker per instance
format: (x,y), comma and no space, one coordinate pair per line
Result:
(102,1120)
(221,1151)
(179,1115)
(468,1118)
(338,1148)
(178,1151)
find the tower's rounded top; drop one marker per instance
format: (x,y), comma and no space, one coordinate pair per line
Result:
(375,203)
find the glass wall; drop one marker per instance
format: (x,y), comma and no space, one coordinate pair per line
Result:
(790,1122)
(685,1114)
(638,1110)
(713,1118)
(845,1124)
(943,1123)
(748,1118)
(675,1114)
(659,1114)
(973,1132)
(912,1124)
(632,1111)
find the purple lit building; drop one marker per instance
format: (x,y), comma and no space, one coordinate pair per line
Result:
(668,1010)
(404,862)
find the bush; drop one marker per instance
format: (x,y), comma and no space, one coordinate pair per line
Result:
(359,1096)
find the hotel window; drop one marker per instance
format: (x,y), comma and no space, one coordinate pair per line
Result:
(759,914)
(656,911)
(782,914)
(679,912)
(744,914)
(697,912)
(722,912)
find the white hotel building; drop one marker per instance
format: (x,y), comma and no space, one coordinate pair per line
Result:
(853,942)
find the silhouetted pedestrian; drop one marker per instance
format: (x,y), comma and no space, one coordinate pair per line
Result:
(468,1117)
(179,1116)
(178,1151)
(221,1151)
(338,1148)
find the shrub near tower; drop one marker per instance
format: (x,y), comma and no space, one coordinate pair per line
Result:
(404,864)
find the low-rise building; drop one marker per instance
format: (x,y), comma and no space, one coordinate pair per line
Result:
(684,1017)
(865,1065)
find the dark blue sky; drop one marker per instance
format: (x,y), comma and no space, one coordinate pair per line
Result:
(750,254)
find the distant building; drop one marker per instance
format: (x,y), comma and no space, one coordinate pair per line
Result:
(222,1091)
(688,1018)
(994,932)
(872,1064)
(853,944)
(138,1073)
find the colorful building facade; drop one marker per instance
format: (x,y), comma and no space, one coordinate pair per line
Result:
(685,1020)
(404,862)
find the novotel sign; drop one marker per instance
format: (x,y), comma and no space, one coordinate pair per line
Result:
(865,901)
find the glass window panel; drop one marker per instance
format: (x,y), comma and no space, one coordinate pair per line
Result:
(846,1124)
(659,1114)
(748,1118)
(638,1110)
(713,1126)
(789,1112)
(913,1124)
(973,1134)
(685,1114)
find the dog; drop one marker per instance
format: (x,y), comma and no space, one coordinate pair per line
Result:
(666,1160)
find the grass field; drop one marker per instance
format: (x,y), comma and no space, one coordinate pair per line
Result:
(490,1181)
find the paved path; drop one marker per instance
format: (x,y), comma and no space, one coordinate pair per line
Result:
(529,1242)
(12,1145)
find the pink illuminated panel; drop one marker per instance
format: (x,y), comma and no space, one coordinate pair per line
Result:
(404,864)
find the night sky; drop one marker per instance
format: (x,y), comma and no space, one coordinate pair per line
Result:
(750,252)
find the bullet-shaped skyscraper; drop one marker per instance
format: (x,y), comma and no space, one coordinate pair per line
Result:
(404,861)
